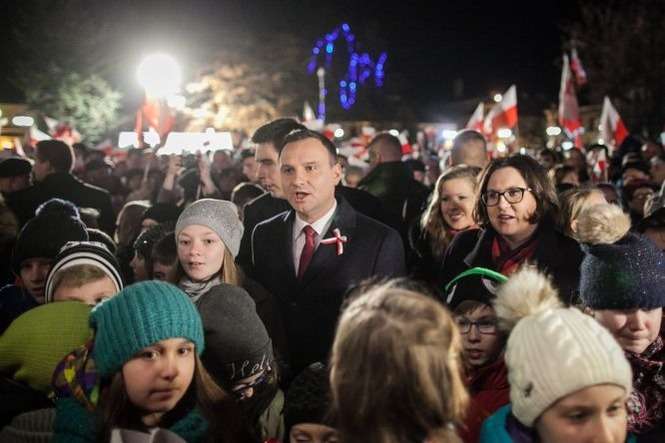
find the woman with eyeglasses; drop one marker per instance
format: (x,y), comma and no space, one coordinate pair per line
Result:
(516,209)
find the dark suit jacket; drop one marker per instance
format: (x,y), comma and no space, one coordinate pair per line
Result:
(65,186)
(310,307)
(266,206)
(556,255)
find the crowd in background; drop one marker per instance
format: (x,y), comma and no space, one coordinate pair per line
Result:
(279,293)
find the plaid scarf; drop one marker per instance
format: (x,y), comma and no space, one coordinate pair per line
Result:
(507,261)
(646,404)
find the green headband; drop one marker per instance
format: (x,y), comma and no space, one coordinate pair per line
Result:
(483,272)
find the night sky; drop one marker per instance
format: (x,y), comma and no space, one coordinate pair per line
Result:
(487,44)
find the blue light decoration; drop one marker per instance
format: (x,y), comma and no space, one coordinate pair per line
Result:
(360,69)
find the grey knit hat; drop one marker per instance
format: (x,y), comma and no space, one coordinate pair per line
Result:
(219,215)
(237,343)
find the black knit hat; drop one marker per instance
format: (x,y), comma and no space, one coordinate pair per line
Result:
(44,235)
(237,343)
(621,269)
(308,398)
(13,167)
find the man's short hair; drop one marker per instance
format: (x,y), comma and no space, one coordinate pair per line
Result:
(59,154)
(460,142)
(389,144)
(275,131)
(303,134)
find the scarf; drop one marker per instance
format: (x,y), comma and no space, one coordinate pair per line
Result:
(646,404)
(76,377)
(507,261)
(196,289)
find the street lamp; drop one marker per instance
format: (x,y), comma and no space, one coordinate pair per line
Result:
(160,75)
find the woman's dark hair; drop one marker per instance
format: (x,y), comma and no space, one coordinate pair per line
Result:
(536,178)
(559,172)
(225,420)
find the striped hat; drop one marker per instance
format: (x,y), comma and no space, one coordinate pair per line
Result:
(83,253)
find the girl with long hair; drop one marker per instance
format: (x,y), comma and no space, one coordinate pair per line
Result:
(143,374)
(396,370)
(450,210)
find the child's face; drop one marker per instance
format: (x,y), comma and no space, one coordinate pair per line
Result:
(33,275)
(596,413)
(634,329)
(312,433)
(482,342)
(168,273)
(200,251)
(158,376)
(90,293)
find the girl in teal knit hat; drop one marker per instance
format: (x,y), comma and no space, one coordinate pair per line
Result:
(143,372)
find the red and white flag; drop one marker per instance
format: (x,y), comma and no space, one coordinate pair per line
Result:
(612,129)
(576,66)
(476,120)
(503,114)
(598,160)
(569,111)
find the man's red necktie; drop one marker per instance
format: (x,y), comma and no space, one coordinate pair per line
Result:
(307,250)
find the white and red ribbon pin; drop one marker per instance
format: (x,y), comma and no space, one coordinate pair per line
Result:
(338,238)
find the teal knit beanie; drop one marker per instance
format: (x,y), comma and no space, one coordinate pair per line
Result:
(139,316)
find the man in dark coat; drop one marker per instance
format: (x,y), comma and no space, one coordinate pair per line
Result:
(308,257)
(390,180)
(267,138)
(52,174)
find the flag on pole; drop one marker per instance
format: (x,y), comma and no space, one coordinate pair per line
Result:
(598,160)
(503,114)
(476,120)
(308,113)
(569,111)
(578,70)
(612,129)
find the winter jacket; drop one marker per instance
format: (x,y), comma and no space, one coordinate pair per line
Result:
(489,390)
(503,427)
(556,255)
(14,301)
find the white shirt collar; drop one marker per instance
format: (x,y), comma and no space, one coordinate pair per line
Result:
(320,226)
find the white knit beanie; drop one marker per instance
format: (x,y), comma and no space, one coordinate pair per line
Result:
(219,215)
(552,351)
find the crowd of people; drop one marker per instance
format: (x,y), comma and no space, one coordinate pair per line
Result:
(277,294)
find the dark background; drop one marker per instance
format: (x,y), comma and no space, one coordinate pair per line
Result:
(432,46)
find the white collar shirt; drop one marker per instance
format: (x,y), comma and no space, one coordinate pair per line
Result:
(320,226)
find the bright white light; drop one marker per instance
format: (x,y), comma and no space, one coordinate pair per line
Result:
(192,142)
(498,98)
(176,101)
(553,131)
(394,132)
(448,134)
(151,137)
(523,150)
(159,74)
(601,141)
(567,145)
(501,147)
(339,132)
(128,139)
(504,133)
(23,120)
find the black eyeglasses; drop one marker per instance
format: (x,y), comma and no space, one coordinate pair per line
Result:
(485,326)
(512,195)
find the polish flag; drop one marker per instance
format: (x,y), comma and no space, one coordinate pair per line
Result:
(569,112)
(612,129)
(599,168)
(576,66)
(503,114)
(476,120)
